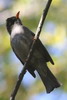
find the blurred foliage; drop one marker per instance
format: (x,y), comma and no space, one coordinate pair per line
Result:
(54,37)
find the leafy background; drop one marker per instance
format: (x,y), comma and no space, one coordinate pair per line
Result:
(53,36)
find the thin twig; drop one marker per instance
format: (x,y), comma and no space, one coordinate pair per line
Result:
(39,28)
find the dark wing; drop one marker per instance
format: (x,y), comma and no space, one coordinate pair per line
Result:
(41,47)
(17,55)
(44,52)
(30,69)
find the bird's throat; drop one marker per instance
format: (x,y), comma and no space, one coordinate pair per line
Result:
(16,29)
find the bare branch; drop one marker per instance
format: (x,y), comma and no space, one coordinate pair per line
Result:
(39,28)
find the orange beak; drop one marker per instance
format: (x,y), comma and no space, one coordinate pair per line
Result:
(17,15)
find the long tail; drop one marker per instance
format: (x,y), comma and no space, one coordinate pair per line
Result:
(47,78)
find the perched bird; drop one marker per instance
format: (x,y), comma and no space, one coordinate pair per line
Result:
(21,39)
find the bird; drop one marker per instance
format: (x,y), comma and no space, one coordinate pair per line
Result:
(21,39)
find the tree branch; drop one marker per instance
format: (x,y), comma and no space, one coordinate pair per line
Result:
(39,28)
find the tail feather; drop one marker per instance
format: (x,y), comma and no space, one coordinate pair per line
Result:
(48,78)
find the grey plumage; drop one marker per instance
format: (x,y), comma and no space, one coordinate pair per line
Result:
(21,39)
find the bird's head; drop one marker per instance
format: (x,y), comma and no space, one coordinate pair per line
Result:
(11,21)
